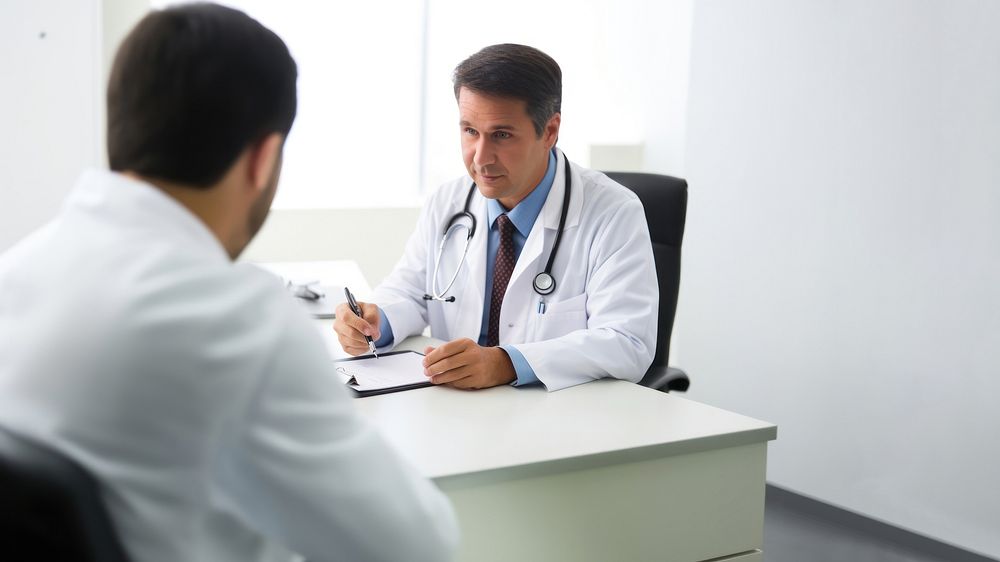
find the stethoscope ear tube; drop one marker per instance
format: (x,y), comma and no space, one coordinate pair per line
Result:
(453,226)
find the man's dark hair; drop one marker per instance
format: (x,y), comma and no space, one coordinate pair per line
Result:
(191,87)
(515,71)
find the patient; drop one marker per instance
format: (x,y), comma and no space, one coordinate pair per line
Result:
(193,388)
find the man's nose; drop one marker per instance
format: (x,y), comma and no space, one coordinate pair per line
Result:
(484,154)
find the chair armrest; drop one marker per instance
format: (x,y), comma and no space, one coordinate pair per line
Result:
(666,379)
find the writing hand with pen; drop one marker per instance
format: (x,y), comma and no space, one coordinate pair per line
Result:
(460,363)
(357,326)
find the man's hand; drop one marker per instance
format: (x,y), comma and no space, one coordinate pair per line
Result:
(465,364)
(351,330)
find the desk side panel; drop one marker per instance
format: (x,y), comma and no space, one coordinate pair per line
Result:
(691,507)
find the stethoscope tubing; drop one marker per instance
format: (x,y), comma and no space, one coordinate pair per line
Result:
(543,283)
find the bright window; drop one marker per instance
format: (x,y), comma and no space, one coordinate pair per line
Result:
(377,123)
(356,138)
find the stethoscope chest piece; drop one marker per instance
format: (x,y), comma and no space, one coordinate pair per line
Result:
(544,284)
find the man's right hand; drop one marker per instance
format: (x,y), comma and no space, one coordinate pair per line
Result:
(351,330)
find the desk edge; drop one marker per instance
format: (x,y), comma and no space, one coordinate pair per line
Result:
(622,456)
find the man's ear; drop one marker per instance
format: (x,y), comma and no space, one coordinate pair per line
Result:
(264,156)
(551,132)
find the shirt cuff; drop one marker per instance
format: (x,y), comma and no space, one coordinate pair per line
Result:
(386,338)
(525,374)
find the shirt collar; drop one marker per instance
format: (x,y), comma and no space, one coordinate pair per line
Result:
(131,201)
(523,214)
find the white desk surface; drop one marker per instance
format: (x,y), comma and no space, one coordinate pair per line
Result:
(607,470)
(447,432)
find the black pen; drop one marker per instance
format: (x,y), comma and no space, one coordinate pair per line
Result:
(357,310)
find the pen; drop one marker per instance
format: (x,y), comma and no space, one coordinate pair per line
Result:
(357,310)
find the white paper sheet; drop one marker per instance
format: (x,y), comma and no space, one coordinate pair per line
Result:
(388,371)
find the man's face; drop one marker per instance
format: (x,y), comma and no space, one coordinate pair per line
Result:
(260,208)
(502,152)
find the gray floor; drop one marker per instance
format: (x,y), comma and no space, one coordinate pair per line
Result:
(799,529)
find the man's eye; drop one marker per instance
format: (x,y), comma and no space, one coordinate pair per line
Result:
(501,135)
(470,131)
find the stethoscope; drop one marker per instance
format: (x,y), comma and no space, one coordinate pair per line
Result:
(543,283)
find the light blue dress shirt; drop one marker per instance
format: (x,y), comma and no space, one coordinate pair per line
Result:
(523,217)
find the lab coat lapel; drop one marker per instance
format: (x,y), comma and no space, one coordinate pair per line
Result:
(545,227)
(533,246)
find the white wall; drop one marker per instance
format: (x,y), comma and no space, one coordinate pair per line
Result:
(842,259)
(56,54)
(50,106)
(374,238)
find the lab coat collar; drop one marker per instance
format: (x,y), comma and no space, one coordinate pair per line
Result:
(553,203)
(114,196)
(524,214)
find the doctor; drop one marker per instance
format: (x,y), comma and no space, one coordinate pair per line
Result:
(535,270)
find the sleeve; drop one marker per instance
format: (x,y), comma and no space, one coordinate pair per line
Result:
(401,295)
(622,302)
(386,337)
(311,472)
(525,374)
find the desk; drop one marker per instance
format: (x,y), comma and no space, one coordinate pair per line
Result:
(603,471)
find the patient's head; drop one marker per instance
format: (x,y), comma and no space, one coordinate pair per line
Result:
(191,87)
(200,100)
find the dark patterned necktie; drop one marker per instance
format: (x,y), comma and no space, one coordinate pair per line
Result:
(503,267)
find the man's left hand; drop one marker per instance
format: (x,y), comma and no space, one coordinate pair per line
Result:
(465,364)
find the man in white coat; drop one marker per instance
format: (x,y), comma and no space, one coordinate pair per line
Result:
(197,393)
(557,283)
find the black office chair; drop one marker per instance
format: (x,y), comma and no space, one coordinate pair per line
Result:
(664,199)
(51,507)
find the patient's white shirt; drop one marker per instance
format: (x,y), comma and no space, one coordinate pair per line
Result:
(197,392)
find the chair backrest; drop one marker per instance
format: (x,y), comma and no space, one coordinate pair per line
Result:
(664,199)
(51,507)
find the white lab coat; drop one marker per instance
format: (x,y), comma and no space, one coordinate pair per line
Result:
(600,321)
(197,392)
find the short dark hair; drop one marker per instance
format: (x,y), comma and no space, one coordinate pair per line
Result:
(515,71)
(191,87)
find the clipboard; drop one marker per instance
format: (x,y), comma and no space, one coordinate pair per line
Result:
(368,376)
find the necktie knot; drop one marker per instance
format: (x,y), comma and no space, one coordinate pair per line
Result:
(505,225)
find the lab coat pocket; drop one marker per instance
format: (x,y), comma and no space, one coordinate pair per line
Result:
(561,318)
